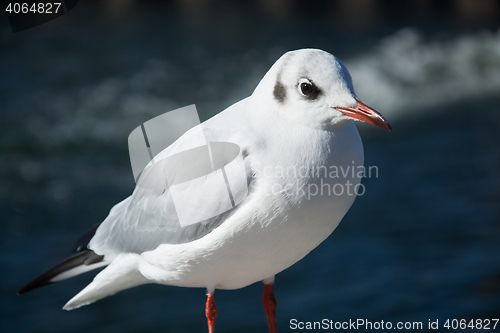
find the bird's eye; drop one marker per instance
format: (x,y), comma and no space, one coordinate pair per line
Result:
(306,88)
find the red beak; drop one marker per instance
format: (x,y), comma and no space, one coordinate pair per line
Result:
(365,113)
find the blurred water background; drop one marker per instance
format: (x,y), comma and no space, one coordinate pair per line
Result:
(422,243)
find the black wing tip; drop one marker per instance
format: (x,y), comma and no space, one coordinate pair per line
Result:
(85,257)
(36,283)
(84,241)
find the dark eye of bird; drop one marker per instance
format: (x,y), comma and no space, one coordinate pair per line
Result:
(306,88)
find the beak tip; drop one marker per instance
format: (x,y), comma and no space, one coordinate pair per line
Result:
(365,113)
(384,125)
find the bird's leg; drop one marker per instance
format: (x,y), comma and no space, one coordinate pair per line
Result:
(270,306)
(211,313)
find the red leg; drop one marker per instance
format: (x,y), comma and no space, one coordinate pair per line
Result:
(270,307)
(211,313)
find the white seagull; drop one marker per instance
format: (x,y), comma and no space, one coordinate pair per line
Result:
(300,117)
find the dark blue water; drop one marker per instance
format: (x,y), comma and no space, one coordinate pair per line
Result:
(422,243)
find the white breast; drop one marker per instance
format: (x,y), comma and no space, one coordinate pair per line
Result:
(269,232)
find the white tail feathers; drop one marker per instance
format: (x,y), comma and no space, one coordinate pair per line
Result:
(121,274)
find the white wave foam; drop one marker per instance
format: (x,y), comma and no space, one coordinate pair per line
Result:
(404,73)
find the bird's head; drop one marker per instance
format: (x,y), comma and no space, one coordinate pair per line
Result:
(313,88)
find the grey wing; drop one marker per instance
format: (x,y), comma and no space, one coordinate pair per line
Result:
(144,221)
(151,217)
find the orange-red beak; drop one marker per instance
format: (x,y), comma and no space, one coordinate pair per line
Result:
(365,113)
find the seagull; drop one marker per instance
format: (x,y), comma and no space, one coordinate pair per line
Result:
(299,117)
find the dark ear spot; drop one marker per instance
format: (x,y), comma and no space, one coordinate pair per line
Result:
(279,92)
